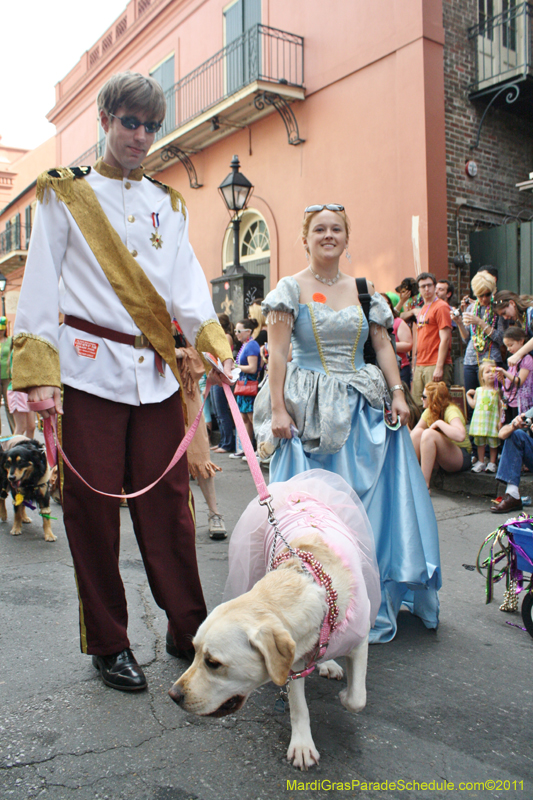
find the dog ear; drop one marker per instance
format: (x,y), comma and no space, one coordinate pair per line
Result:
(277,647)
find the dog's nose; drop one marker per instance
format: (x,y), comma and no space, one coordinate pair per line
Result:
(176,694)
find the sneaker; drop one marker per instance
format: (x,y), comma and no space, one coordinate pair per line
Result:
(491,467)
(217,529)
(237,455)
(479,466)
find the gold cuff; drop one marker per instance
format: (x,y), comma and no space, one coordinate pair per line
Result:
(212,339)
(35,362)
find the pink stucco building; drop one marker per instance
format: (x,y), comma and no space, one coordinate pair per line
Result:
(361,103)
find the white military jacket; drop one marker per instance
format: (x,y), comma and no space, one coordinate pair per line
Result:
(63,274)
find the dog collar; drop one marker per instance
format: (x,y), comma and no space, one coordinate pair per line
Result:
(329,623)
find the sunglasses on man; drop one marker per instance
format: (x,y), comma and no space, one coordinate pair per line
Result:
(322,206)
(132,123)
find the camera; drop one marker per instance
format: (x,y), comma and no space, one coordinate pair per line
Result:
(528,417)
(456,312)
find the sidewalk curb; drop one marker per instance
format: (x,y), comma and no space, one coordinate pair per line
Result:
(477,484)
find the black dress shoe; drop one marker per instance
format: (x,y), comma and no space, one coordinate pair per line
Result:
(121,671)
(172,650)
(507,503)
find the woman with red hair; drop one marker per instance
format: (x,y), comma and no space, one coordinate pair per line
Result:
(440,438)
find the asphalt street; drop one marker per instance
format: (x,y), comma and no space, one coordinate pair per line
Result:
(453,706)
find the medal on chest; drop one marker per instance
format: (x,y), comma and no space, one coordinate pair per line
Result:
(155,238)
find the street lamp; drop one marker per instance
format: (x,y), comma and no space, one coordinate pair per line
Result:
(3,284)
(236,289)
(235,190)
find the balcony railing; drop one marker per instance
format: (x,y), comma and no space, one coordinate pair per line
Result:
(503,45)
(259,54)
(16,237)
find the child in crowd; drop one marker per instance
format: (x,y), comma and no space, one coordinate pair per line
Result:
(485,423)
(518,379)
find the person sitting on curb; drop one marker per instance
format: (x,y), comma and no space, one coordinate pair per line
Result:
(517,450)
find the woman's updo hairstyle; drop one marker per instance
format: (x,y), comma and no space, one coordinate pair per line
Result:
(483,282)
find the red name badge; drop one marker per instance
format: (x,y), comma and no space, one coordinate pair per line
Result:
(86,349)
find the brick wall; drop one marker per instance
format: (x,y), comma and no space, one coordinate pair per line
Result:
(505,153)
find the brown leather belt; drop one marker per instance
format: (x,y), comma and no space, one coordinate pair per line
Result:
(138,342)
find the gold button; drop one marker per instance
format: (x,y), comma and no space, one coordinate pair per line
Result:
(127,185)
(131,218)
(134,253)
(141,359)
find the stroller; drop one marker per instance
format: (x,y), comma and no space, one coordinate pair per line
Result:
(506,554)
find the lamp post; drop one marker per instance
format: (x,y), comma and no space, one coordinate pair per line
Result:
(235,191)
(237,288)
(3,284)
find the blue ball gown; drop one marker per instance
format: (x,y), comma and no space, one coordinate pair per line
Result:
(336,401)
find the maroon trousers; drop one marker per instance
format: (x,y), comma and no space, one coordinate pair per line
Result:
(114,445)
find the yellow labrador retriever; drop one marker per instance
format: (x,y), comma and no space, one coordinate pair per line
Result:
(274,628)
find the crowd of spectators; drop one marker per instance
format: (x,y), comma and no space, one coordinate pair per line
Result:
(466,365)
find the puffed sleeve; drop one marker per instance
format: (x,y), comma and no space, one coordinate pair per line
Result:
(380,313)
(282,303)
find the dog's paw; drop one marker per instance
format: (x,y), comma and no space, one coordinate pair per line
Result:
(330,669)
(3,516)
(303,755)
(353,704)
(25,519)
(49,537)
(15,531)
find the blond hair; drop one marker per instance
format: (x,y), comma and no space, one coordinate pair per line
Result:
(483,282)
(255,312)
(487,362)
(134,92)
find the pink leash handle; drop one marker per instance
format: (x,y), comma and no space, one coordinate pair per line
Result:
(52,445)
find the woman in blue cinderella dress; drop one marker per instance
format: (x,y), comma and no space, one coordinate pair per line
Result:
(325,409)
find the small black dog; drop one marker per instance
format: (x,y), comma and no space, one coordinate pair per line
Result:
(24,473)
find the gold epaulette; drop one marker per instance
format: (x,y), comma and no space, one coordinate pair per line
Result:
(61,180)
(176,199)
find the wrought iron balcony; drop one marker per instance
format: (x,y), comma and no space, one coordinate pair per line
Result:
(503,48)
(259,54)
(14,242)
(260,72)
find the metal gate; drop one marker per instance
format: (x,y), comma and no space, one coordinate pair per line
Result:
(509,248)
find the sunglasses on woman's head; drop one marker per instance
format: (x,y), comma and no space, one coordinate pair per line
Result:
(132,123)
(322,206)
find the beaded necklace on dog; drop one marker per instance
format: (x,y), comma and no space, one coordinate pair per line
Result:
(315,568)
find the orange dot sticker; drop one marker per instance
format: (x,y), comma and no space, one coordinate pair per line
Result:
(318,297)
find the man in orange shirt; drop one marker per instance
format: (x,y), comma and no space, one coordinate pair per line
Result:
(434,339)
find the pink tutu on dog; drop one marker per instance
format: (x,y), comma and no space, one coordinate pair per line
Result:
(339,517)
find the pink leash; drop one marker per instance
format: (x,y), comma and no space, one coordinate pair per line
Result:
(52,446)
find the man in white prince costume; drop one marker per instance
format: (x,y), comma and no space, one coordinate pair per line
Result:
(110,250)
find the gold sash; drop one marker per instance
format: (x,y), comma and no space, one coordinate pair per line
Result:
(135,291)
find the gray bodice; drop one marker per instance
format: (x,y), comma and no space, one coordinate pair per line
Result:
(327,367)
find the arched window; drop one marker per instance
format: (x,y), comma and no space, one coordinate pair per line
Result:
(254,246)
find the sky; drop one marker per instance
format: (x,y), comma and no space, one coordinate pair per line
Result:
(41,42)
